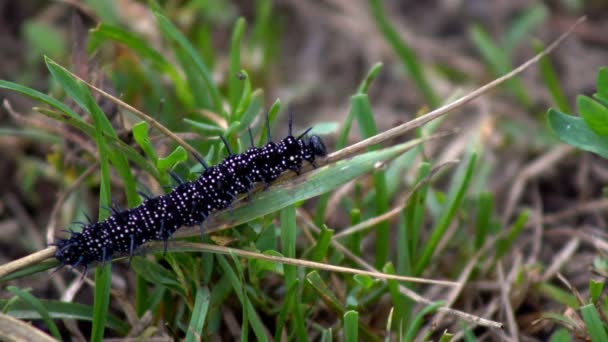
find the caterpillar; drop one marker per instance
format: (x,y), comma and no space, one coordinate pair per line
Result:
(189,203)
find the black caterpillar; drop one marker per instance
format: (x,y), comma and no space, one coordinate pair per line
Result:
(190,203)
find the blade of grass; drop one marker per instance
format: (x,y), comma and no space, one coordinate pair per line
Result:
(401,304)
(406,54)
(62,310)
(103,274)
(288,248)
(252,315)
(117,145)
(408,236)
(342,138)
(235,85)
(351,326)
(144,51)
(484,214)
(183,247)
(36,95)
(595,327)
(199,313)
(498,61)
(367,125)
(551,80)
(322,245)
(416,323)
(456,194)
(175,35)
(523,25)
(37,305)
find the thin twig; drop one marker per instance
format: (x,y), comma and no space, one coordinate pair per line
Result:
(50,228)
(141,115)
(361,226)
(406,127)
(180,246)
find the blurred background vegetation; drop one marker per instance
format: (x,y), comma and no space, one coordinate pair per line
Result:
(520,221)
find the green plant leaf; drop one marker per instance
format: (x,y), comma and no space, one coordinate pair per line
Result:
(594,114)
(140,134)
(199,313)
(179,155)
(602,82)
(595,327)
(39,307)
(38,96)
(575,132)
(174,34)
(351,326)
(156,274)
(62,310)
(595,289)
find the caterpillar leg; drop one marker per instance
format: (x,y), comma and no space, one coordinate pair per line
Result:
(176,178)
(202,227)
(250,137)
(131,248)
(230,153)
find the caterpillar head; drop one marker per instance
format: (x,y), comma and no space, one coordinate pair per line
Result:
(316,145)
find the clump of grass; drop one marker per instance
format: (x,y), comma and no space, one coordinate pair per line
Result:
(286,274)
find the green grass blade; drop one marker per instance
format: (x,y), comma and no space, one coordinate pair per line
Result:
(82,96)
(414,326)
(62,310)
(235,85)
(288,244)
(343,136)
(400,302)
(157,274)
(457,192)
(252,111)
(38,96)
(39,307)
(504,245)
(406,54)
(324,292)
(595,327)
(175,35)
(310,184)
(205,129)
(367,125)
(101,300)
(103,274)
(498,61)
(485,207)
(408,237)
(322,245)
(369,78)
(199,313)
(144,51)
(521,27)
(252,315)
(29,270)
(551,80)
(351,326)
(596,288)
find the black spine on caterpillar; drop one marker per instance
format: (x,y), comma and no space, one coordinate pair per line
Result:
(190,203)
